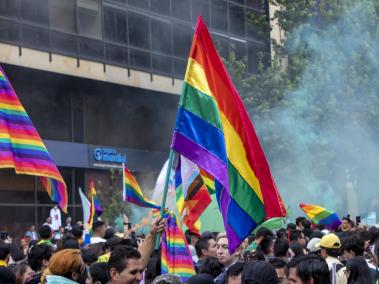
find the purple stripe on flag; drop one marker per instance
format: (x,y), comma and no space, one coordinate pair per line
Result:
(203,158)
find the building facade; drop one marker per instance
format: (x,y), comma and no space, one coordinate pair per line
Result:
(101,80)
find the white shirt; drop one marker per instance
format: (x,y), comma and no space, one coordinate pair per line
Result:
(96,240)
(56,221)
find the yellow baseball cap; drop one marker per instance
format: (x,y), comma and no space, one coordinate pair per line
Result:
(330,241)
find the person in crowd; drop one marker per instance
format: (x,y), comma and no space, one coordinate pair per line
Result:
(308,269)
(258,271)
(205,246)
(347,224)
(267,247)
(295,250)
(299,223)
(211,266)
(23,272)
(77,233)
(191,237)
(330,246)
(98,228)
(7,276)
(24,244)
(234,273)
(60,234)
(224,256)
(281,248)
(297,237)
(262,234)
(125,266)
(45,235)
(68,226)
(281,269)
(97,274)
(4,254)
(65,267)
(38,260)
(168,279)
(358,271)
(16,253)
(201,278)
(31,233)
(311,246)
(48,223)
(55,216)
(109,233)
(89,257)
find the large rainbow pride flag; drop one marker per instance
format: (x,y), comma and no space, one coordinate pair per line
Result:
(22,148)
(320,215)
(134,194)
(175,256)
(214,131)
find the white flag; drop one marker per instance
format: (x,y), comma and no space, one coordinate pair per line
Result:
(86,207)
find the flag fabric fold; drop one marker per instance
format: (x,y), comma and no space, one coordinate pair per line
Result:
(320,215)
(22,148)
(96,201)
(214,131)
(134,194)
(86,205)
(175,256)
(192,196)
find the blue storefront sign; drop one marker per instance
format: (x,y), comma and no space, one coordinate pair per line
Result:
(109,155)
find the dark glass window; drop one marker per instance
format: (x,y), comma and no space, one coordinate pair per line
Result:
(35,37)
(16,188)
(239,49)
(236,20)
(219,15)
(160,6)
(257,4)
(89,17)
(182,40)
(17,219)
(161,36)
(9,31)
(255,51)
(139,31)
(140,59)
(91,48)
(63,15)
(116,54)
(162,64)
(139,3)
(115,25)
(241,2)
(8,8)
(65,43)
(222,45)
(180,68)
(35,11)
(200,8)
(253,30)
(181,9)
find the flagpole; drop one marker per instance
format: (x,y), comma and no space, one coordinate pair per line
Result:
(123,182)
(165,190)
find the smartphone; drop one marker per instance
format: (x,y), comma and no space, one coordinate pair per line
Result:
(3,235)
(129,225)
(358,220)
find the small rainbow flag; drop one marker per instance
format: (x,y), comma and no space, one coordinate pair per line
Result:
(176,257)
(320,215)
(134,194)
(98,208)
(22,148)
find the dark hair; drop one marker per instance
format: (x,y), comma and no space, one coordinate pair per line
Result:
(263,232)
(281,248)
(16,252)
(291,226)
(113,242)
(353,243)
(97,224)
(281,233)
(19,268)
(120,256)
(4,250)
(153,268)
(89,257)
(77,231)
(266,244)
(201,244)
(333,252)
(299,220)
(347,218)
(7,276)
(296,248)
(316,234)
(359,271)
(320,227)
(44,231)
(295,235)
(211,266)
(278,263)
(235,270)
(311,266)
(67,242)
(98,272)
(109,233)
(374,234)
(37,254)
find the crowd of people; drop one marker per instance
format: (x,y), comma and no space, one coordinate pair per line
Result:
(299,253)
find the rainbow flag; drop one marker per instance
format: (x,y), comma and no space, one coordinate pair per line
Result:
(134,194)
(98,208)
(175,256)
(320,215)
(22,148)
(214,131)
(209,182)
